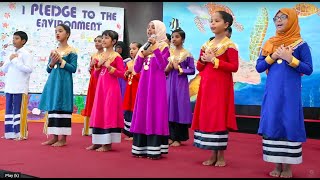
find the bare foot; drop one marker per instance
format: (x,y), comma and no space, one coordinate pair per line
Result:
(18,139)
(93,147)
(128,138)
(220,163)
(220,159)
(212,160)
(59,143)
(154,158)
(136,156)
(277,171)
(50,142)
(104,148)
(286,174)
(170,141)
(175,143)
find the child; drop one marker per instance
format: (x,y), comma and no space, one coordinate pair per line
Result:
(18,68)
(285,57)
(168,41)
(107,113)
(122,49)
(149,124)
(131,89)
(57,95)
(181,64)
(86,131)
(214,113)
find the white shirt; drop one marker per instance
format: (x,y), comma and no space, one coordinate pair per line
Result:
(18,71)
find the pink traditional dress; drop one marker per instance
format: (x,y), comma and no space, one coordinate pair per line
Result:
(107,114)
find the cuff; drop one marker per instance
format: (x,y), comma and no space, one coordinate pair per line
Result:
(295,62)
(215,61)
(112,69)
(180,70)
(269,60)
(154,47)
(49,66)
(63,63)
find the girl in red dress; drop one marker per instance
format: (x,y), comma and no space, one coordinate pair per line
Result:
(86,131)
(214,113)
(131,89)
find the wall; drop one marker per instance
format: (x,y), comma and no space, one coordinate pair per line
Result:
(137,15)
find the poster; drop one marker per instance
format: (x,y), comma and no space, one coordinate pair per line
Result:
(252,26)
(38,20)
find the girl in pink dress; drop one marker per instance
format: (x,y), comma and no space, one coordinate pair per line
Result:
(107,114)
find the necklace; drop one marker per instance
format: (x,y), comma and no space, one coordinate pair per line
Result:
(130,79)
(147,63)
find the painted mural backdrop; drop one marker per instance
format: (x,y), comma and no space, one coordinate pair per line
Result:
(38,20)
(252,26)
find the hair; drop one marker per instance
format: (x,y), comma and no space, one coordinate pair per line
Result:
(181,33)
(229,29)
(99,36)
(168,36)
(125,49)
(113,34)
(139,45)
(22,35)
(66,28)
(226,17)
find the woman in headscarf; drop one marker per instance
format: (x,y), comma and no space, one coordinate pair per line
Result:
(285,57)
(150,126)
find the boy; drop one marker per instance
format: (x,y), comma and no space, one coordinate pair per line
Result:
(18,67)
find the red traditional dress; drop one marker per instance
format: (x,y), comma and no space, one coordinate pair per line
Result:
(130,97)
(214,112)
(90,95)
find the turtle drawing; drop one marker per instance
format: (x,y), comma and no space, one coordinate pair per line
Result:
(246,73)
(306,9)
(204,13)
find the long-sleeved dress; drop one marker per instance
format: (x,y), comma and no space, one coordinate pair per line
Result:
(107,114)
(150,125)
(282,121)
(180,115)
(130,98)
(90,96)
(214,112)
(57,95)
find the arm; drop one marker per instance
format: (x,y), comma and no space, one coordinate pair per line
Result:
(191,69)
(200,64)
(48,66)
(118,70)
(23,62)
(304,65)
(6,64)
(72,66)
(161,57)
(264,63)
(231,65)
(138,64)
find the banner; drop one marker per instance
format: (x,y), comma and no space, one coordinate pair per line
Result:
(252,26)
(39,19)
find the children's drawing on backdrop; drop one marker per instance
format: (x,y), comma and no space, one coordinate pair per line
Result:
(38,20)
(252,26)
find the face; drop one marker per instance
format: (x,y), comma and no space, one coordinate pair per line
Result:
(217,24)
(17,42)
(151,29)
(107,41)
(176,39)
(280,20)
(119,49)
(133,50)
(98,43)
(61,33)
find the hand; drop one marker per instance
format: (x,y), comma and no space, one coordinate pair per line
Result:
(147,52)
(127,73)
(207,56)
(13,56)
(93,62)
(55,57)
(175,65)
(285,53)
(107,64)
(275,55)
(152,40)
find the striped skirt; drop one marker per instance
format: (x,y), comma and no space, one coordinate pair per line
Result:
(281,151)
(127,123)
(58,123)
(106,136)
(211,141)
(152,146)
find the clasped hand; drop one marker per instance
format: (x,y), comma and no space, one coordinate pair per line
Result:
(284,53)
(207,56)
